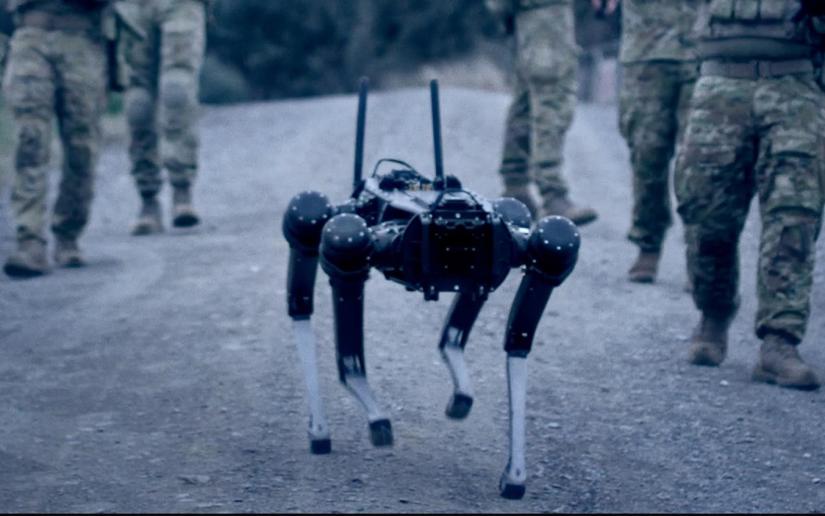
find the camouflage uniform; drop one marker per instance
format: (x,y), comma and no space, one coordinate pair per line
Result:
(756,127)
(659,70)
(544,96)
(4,48)
(164,53)
(56,69)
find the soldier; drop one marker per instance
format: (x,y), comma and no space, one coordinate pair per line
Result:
(659,70)
(164,53)
(56,70)
(756,127)
(543,102)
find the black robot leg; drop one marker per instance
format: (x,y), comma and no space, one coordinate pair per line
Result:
(304,219)
(462,316)
(552,251)
(346,249)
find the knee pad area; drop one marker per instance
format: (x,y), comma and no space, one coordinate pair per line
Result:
(139,108)
(177,94)
(33,145)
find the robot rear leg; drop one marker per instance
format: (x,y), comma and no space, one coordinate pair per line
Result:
(462,316)
(552,251)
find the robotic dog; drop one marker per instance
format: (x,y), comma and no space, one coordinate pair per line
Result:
(432,236)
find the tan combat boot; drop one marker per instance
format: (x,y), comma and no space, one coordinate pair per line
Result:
(149,220)
(561,205)
(67,254)
(780,364)
(645,268)
(522,193)
(183,214)
(29,260)
(709,343)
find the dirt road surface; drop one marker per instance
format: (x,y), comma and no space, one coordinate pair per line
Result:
(163,377)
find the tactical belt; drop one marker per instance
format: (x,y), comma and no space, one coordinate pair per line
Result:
(67,22)
(756,69)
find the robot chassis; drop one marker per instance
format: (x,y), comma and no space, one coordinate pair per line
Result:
(431,236)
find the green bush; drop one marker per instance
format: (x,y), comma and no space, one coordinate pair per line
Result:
(284,48)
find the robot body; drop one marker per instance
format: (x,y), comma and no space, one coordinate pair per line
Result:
(431,236)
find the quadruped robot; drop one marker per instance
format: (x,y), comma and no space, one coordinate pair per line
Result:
(432,236)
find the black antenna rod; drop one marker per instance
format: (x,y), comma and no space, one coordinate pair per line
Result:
(359,131)
(439,160)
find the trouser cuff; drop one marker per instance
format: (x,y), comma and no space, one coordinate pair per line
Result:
(792,336)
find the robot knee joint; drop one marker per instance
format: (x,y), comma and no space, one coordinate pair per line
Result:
(305,218)
(513,211)
(553,248)
(346,245)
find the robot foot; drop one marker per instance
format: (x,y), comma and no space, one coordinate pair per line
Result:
(459,406)
(509,490)
(512,483)
(381,432)
(320,446)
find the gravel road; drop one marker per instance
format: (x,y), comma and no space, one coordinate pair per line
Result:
(163,378)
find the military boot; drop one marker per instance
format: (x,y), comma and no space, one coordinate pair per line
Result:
(709,343)
(780,364)
(522,193)
(149,220)
(67,254)
(183,214)
(645,268)
(29,260)
(561,205)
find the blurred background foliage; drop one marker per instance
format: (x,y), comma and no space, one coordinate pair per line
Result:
(265,49)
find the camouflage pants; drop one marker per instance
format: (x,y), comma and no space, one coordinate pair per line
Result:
(163,84)
(544,99)
(653,111)
(743,138)
(54,75)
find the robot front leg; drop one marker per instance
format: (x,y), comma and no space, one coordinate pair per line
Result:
(552,251)
(346,249)
(304,219)
(463,314)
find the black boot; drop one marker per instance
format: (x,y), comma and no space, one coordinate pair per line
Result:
(780,364)
(149,220)
(183,214)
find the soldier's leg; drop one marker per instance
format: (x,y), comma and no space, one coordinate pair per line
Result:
(789,176)
(29,91)
(547,59)
(516,154)
(714,187)
(648,121)
(81,77)
(141,113)
(687,78)
(182,48)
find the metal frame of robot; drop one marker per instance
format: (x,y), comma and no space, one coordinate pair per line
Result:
(431,236)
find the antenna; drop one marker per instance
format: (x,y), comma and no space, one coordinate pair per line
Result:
(359,131)
(439,161)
